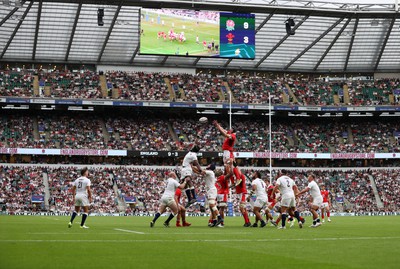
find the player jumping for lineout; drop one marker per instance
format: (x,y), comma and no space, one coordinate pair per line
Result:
(187,173)
(228,156)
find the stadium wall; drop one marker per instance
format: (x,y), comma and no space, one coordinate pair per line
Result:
(386,75)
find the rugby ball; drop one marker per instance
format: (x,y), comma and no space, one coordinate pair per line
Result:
(203,120)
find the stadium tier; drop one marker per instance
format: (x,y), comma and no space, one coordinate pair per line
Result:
(155,133)
(245,89)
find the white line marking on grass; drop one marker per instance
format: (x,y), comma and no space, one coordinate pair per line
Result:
(129,231)
(194,240)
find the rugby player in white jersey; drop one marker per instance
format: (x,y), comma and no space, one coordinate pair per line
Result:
(211,191)
(258,188)
(288,189)
(190,166)
(317,199)
(82,196)
(168,199)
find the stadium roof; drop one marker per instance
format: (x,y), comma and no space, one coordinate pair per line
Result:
(330,37)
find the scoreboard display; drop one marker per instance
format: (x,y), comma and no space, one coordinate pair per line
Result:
(237,35)
(194,33)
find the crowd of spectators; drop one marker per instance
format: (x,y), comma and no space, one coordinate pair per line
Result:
(71,132)
(251,89)
(200,88)
(139,85)
(14,83)
(18,185)
(140,134)
(366,93)
(163,134)
(350,190)
(388,185)
(314,92)
(17,132)
(67,84)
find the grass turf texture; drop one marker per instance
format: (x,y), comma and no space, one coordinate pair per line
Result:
(149,44)
(129,242)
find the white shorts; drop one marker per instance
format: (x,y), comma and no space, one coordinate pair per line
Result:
(227,155)
(260,202)
(81,200)
(317,201)
(288,201)
(325,205)
(167,201)
(186,172)
(212,196)
(222,200)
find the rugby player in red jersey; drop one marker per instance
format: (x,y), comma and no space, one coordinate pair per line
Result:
(228,149)
(326,204)
(181,210)
(272,202)
(222,194)
(241,193)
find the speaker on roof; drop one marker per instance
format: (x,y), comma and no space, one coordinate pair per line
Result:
(100,15)
(289,24)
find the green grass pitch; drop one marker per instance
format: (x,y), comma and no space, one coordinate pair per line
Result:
(150,44)
(129,242)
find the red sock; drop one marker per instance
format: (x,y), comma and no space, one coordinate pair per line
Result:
(246,217)
(237,173)
(277,222)
(323,216)
(328,214)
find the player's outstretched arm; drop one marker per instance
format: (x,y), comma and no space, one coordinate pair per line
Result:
(222,130)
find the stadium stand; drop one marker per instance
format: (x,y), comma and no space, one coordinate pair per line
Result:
(199,88)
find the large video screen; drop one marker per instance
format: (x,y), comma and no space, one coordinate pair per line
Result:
(181,32)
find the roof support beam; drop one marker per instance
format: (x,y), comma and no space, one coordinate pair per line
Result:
(71,38)
(196,61)
(109,31)
(264,22)
(16,29)
(280,42)
(39,14)
(164,60)
(384,43)
(8,16)
(332,43)
(227,62)
(135,53)
(313,43)
(351,44)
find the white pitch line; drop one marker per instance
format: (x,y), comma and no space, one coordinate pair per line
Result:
(198,240)
(129,231)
